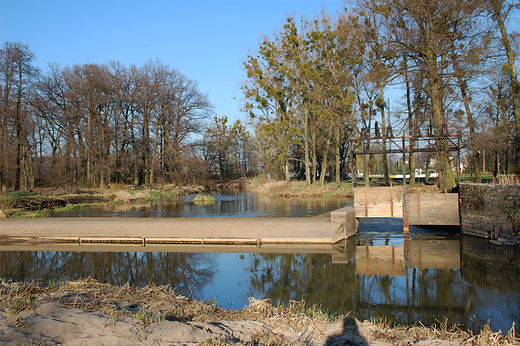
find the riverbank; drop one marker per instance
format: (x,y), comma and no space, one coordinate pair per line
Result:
(40,203)
(89,312)
(292,188)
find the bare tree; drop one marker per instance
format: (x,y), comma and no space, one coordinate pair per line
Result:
(16,72)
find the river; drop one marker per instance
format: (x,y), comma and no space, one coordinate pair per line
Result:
(426,275)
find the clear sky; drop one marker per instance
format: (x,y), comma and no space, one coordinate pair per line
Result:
(206,40)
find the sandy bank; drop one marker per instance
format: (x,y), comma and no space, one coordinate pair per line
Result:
(87,312)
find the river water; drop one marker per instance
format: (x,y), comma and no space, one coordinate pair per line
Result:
(426,275)
(231,203)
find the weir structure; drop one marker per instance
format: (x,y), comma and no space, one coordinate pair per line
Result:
(392,201)
(326,229)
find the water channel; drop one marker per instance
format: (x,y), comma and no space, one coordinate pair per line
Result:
(428,275)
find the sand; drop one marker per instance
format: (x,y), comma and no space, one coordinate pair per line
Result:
(52,324)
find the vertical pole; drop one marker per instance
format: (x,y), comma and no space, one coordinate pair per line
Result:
(446,158)
(391,200)
(366,202)
(458,151)
(353,166)
(353,172)
(405,207)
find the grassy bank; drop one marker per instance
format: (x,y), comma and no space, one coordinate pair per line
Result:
(154,304)
(40,203)
(298,188)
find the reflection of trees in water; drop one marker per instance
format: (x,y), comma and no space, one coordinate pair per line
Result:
(309,277)
(429,296)
(490,266)
(184,271)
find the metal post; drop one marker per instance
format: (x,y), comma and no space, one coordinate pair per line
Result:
(353,167)
(405,208)
(458,155)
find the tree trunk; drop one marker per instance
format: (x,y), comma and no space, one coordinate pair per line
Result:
(411,122)
(19,134)
(515,86)
(3,138)
(89,145)
(102,179)
(324,163)
(314,159)
(475,157)
(338,156)
(383,130)
(306,146)
(446,178)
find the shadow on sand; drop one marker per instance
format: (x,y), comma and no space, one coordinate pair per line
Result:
(349,336)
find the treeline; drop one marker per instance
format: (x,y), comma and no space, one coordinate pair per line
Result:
(310,87)
(316,82)
(96,124)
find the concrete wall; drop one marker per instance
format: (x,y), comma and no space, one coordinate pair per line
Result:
(349,223)
(490,210)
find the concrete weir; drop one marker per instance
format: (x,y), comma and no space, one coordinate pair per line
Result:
(328,228)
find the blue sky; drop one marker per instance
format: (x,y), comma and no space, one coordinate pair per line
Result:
(207,40)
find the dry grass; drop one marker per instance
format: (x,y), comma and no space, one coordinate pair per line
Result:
(240,183)
(402,335)
(126,196)
(267,187)
(299,189)
(151,304)
(507,179)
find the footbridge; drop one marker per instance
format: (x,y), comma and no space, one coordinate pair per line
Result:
(432,209)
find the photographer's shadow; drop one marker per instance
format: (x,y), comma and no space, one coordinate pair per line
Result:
(349,336)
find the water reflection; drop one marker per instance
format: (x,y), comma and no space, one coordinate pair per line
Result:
(426,276)
(429,282)
(187,272)
(227,204)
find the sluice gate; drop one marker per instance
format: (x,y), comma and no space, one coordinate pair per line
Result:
(421,209)
(425,209)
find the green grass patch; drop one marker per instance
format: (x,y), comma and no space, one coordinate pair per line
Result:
(204,199)
(18,194)
(69,207)
(155,194)
(26,214)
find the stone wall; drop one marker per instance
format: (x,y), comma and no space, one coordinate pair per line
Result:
(490,211)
